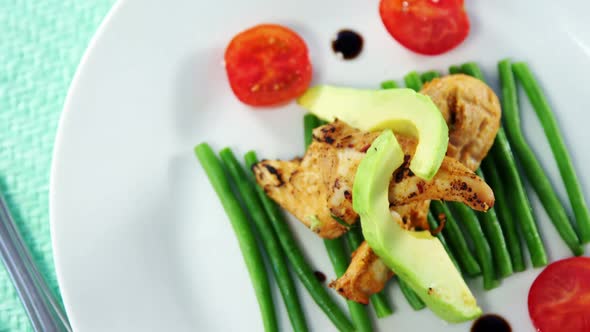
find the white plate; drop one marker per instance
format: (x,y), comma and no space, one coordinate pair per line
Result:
(141,242)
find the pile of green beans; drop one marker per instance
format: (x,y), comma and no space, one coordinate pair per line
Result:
(502,155)
(456,240)
(507,223)
(491,238)
(494,234)
(480,243)
(276,239)
(532,168)
(269,239)
(298,262)
(244,233)
(562,158)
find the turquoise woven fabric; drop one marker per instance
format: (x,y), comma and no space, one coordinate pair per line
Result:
(41,43)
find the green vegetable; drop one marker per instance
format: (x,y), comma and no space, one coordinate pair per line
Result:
(493,232)
(433,277)
(388,85)
(413,81)
(482,248)
(402,110)
(489,220)
(472,69)
(433,224)
(429,76)
(303,270)
(505,216)
(521,207)
(457,242)
(455,70)
(531,166)
(379,300)
(244,233)
(564,163)
(520,202)
(340,261)
(410,296)
(310,122)
(269,239)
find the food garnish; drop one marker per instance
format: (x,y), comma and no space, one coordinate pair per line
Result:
(267,65)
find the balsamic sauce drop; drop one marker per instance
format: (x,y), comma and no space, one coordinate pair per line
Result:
(347,43)
(490,323)
(320,276)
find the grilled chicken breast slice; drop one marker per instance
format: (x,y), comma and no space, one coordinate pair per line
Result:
(472,112)
(317,189)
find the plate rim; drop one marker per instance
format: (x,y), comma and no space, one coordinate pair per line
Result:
(57,146)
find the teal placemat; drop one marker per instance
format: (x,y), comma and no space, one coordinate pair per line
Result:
(41,43)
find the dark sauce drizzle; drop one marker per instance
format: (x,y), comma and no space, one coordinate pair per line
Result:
(491,323)
(348,44)
(321,277)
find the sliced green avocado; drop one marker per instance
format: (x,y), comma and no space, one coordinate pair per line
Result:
(417,257)
(403,110)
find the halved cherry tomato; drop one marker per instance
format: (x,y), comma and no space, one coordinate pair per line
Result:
(559,299)
(267,65)
(425,26)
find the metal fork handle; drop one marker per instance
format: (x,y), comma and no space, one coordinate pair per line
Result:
(41,307)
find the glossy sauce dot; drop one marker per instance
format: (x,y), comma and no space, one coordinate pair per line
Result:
(347,44)
(490,323)
(320,276)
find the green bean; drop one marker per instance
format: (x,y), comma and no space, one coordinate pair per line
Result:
(413,81)
(493,232)
(520,202)
(310,122)
(489,220)
(388,85)
(412,298)
(472,69)
(454,236)
(244,233)
(533,170)
(504,216)
(562,157)
(517,196)
(340,260)
(455,70)
(429,76)
(482,248)
(301,267)
(378,300)
(381,305)
(433,224)
(269,239)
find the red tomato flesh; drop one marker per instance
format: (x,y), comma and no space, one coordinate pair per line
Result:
(425,26)
(559,299)
(267,65)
